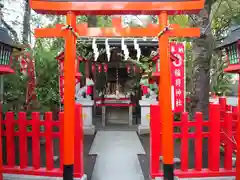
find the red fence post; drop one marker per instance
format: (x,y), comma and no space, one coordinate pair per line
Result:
(78,165)
(184,142)
(36,140)
(10,139)
(22,123)
(238,152)
(223,103)
(198,141)
(223,106)
(61,119)
(235,118)
(228,143)
(155,139)
(1,156)
(214,137)
(81,139)
(49,141)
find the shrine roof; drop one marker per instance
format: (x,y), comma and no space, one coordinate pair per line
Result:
(111,7)
(232,37)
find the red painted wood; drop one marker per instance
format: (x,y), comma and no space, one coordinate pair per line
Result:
(61,119)
(214,138)
(49,141)
(184,142)
(1,157)
(22,122)
(81,141)
(10,139)
(77,146)
(228,143)
(223,103)
(100,99)
(40,172)
(116,105)
(228,108)
(191,173)
(198,141)
(36,140)
(155,139)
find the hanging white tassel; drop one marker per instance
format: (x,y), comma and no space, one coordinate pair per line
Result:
(122,44)
(125,50)
(126,54)
(108,52)
(137,48)
(95,49)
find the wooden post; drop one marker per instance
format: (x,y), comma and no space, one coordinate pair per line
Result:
(238,135)
(69,101)
(165,101)
(1,163)
(155,139)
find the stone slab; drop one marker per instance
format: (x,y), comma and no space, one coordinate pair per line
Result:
(143,129)
(89,130)
(117,156)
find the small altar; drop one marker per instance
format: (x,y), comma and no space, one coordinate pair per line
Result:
(116,111)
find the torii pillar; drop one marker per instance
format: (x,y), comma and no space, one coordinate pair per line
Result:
(69,94)
(69,90)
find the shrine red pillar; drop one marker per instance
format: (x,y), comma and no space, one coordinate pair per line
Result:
(238,135)
(165,101)
(69,100)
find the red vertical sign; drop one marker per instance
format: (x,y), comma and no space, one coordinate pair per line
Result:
(177,70)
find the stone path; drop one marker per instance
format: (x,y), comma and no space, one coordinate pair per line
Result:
(117,156)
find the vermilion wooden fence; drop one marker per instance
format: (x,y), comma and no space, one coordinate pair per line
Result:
(215,135)
(23,129)
(234,109)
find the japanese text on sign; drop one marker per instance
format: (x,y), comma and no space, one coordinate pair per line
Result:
(177,71)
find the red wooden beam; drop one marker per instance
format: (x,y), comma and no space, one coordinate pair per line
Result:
(110,7)
(117,31)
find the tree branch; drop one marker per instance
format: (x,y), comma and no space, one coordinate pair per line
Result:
(12,31)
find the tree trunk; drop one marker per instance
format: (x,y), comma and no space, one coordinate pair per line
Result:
(202,54)
(26,22)
(12,31)
(92,21)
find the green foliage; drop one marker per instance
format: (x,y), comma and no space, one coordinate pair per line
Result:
(14,89)
(47,76)
(225,15)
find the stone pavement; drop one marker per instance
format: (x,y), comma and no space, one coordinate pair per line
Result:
(117,156)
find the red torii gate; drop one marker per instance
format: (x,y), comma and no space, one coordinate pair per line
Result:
(163,31)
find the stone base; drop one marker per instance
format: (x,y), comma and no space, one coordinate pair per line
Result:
(89,130)
(143,129)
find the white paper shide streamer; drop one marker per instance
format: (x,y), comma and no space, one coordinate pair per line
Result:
(95,49)
(137,48)
(108,52)
(125,50)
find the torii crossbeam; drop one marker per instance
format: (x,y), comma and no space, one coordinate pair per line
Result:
(71,8)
